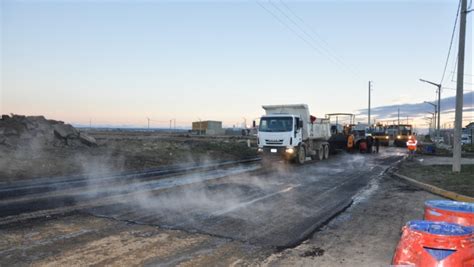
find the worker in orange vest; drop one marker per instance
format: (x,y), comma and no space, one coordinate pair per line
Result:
(350,143)
(412,144)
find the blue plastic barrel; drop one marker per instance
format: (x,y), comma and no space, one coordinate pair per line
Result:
(451,205)
(429,149)
(450,211)
(439,228)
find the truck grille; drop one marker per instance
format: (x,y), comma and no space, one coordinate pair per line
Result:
(274,142)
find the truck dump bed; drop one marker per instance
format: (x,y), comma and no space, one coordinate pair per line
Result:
(319,129)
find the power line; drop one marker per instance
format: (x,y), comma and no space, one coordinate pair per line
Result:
(288,27)
(327,51)
(451,42)
(298,34)
(300,19)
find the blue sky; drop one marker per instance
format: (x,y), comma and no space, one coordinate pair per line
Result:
(118,62)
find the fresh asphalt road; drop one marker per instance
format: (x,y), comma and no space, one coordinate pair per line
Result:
(279,208)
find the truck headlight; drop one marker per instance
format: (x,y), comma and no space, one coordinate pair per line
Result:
(290,150)
(386,137)
(260,149)
(399,136)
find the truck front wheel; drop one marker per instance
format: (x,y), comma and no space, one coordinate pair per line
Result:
(300,159)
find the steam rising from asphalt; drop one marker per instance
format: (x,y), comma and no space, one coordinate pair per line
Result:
(203,196)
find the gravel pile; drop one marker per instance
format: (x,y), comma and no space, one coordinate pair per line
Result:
(18,130)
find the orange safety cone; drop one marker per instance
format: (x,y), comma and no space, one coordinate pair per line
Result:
(450,211)
(440,244)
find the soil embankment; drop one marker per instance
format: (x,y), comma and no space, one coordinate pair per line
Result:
(33,146)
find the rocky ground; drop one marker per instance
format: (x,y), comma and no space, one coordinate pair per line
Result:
(33,147)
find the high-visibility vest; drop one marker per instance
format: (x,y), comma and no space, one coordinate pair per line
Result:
(411,144)
(350,141)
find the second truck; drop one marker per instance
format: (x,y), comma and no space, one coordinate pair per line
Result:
(291,133)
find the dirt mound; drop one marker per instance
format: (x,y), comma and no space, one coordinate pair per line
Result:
(18,130)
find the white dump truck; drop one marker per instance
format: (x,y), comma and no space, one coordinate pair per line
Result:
(289,131)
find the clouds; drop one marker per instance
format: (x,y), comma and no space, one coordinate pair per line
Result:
(416,110)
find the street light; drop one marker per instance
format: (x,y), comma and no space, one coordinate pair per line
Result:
(432,121)
(439,103)
(435,107)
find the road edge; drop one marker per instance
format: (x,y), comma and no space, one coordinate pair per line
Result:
(434,189)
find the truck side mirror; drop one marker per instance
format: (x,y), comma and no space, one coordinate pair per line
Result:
(254,124)
(300,124)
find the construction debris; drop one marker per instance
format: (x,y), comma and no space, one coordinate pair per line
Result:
(18,130)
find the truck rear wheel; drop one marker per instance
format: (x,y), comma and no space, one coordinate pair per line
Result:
(326,151)
(320,153)
(300,159)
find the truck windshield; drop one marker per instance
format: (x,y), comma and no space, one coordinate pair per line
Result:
(405,130)
(276,124)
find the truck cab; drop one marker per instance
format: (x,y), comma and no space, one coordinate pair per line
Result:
(289,131)
(405,131)
(380,133)
(280,135)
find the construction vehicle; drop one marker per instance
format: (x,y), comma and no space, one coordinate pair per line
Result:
(291,133)
(360,131)
(341,128)
(401,133)
(379,132)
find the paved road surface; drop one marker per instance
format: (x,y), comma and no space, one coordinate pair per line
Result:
(278,209)
(231,220)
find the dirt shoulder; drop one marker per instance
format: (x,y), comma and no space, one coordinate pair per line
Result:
(441,176)
(83,240)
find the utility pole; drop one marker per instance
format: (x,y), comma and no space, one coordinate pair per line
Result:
(435,110)
(370,83)
(459,90)
(438,120)
(148,119)
(439,104)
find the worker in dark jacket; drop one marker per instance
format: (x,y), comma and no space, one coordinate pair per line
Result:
(377,145)
(370,142)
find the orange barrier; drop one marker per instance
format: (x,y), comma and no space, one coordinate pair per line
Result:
(440,244)
(450,211)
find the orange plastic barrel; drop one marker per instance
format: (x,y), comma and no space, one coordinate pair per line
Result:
(440,244)
(450,211)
